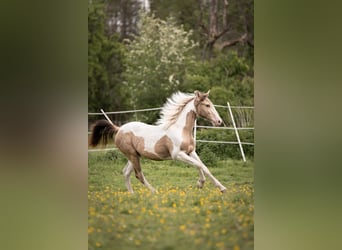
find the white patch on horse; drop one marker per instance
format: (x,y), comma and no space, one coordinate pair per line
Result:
(173,108)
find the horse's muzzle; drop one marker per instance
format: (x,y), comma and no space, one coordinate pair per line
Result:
(217,123)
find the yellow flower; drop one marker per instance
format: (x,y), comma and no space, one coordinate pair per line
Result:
(90,230)
(220,244)
(236,247)
(98,244)
(182,227)
(192,232)
(198,241)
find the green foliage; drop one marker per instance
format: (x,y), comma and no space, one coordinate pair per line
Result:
(157,61)
(115,155)
(224,70)
(208,157)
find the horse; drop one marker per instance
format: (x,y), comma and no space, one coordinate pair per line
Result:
(171,138)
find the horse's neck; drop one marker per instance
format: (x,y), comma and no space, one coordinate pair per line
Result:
(186,119)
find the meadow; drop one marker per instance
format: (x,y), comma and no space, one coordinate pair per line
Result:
(179,215)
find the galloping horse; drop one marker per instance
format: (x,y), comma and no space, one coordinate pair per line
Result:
(170,138)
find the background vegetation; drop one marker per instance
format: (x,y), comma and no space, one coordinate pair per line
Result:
(142,51)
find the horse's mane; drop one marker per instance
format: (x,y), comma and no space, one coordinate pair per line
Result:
(173,107)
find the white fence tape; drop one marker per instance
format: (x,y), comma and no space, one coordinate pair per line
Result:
(153,109)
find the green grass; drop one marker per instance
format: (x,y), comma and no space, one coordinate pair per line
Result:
(178,216)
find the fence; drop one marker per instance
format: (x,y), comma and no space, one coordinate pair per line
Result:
(235,128)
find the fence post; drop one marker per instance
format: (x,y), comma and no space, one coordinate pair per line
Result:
(236,132)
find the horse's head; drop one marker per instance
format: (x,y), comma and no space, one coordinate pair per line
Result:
(205,108)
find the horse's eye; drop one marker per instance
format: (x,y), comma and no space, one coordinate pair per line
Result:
(207,105)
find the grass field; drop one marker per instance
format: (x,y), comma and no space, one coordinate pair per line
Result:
(178,216)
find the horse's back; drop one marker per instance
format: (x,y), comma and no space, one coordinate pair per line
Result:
(137,127)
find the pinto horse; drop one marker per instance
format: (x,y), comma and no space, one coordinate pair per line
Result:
(170,138)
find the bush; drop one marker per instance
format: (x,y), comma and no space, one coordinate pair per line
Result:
(210,152)
(115,155)
(208,157)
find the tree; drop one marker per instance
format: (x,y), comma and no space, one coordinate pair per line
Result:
(217,24)
(157,61)
(105,62)
(230,23)
(122,17)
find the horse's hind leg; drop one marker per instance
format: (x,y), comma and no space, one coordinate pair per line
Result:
(127,174)
(201,179)
(139,174)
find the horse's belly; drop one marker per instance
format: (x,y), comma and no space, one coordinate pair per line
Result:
(156,148)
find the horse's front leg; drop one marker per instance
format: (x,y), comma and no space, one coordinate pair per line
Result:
(182,156)
(201,179)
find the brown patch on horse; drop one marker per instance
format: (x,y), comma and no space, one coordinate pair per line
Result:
(188,143)
(124,142)
(164,147)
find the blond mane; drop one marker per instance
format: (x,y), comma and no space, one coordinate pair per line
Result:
(173,107)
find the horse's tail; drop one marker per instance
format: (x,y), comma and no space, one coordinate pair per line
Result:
(102,130)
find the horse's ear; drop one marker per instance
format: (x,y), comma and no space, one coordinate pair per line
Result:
(205,95)
(201,96)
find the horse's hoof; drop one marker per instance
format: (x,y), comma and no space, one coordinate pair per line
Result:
(200,184)
(223,190)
